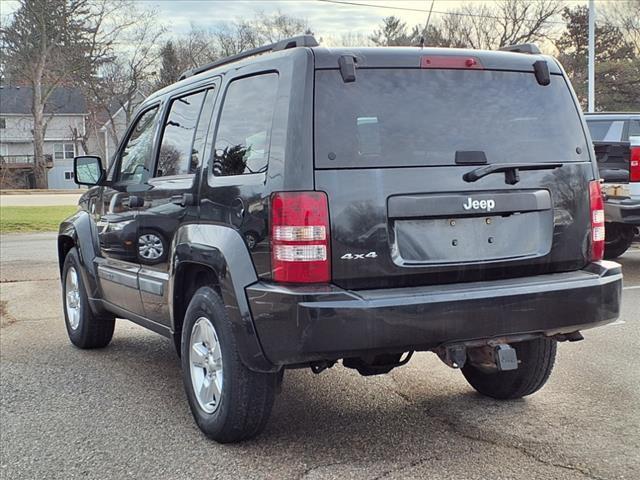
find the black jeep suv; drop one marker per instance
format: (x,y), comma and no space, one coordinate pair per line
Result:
(296,205)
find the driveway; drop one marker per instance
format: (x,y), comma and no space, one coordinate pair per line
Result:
(121,412)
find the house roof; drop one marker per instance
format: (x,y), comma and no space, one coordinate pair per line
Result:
(17,100)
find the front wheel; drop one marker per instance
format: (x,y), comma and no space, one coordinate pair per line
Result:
(617,239)
(85,329)
(535,362)
(229,402)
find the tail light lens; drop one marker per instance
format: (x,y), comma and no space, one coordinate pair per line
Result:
(634,170)
(597,220)
(300,250)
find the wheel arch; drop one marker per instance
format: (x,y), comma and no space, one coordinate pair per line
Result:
(216,255)
(188,277)
(77,231)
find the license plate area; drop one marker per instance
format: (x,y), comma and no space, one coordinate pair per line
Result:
(472,239)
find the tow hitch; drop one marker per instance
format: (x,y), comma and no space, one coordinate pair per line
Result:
(506,358)
(501,357)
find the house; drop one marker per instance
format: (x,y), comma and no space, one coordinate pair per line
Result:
(71,129)
(65,117)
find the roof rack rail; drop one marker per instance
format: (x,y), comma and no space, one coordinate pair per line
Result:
(530,48)
(293,42)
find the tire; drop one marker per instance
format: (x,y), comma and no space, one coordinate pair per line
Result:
(241,409)
(618,238)
(85,329)
(535,362)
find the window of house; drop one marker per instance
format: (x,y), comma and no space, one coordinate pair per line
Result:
(135,159)
(64,151)
(68,175)
(244,133)
(176,155)
(3,123)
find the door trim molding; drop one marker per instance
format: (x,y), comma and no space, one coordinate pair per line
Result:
(118,276)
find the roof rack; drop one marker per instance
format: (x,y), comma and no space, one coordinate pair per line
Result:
(530,48)
(293,42)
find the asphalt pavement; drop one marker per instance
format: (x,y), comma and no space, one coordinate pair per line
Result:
(121,412)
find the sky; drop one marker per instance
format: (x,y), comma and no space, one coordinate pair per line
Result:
(325,18)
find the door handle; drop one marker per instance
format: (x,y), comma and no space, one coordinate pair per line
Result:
(183,200)
(238,207)
(135,201)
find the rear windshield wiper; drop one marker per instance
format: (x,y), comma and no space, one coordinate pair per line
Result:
(511,175)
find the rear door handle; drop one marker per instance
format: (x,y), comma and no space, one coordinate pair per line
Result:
(135,201)
(183,200)
(238,207)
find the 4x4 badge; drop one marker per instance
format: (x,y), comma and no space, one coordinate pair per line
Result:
(358,256)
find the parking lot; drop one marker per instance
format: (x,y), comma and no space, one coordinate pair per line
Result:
(121,412)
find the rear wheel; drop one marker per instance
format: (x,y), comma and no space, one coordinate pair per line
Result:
(535,362)
(85,329)
(229,402)
(617,239)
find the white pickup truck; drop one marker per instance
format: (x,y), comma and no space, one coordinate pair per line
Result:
(616,141)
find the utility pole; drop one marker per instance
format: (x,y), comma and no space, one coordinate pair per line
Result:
(426,27)
(592,56)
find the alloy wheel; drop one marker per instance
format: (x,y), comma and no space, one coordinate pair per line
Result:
(205,359)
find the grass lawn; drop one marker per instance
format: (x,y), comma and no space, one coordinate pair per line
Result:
(33,219)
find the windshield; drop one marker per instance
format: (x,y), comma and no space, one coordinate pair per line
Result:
(412,117)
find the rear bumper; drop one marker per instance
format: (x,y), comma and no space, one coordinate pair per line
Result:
(623,210)
(301,324)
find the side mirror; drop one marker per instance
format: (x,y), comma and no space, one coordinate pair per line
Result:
(87,170)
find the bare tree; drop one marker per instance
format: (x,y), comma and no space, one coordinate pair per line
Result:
(262,29)
(351,39)
(201,46)
(121,83)
(508,22)
(196,48)
(50,43)
(477,25)
(625,15)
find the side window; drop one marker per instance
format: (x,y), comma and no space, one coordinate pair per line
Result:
(63,151)
(244,132)
(634,128)
(177,155)
(606,130)
(135,159)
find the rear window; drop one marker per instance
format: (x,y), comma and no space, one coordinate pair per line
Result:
(413,117)
(606,130)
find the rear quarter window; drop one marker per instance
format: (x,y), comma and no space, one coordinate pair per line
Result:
(243,139)
(606,130)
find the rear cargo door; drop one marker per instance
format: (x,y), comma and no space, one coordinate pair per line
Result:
(392,150)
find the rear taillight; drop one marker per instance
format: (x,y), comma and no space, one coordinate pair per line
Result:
(300,237)
(597,220)
(634,170)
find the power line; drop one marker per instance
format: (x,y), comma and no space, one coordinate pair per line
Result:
(440,12)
